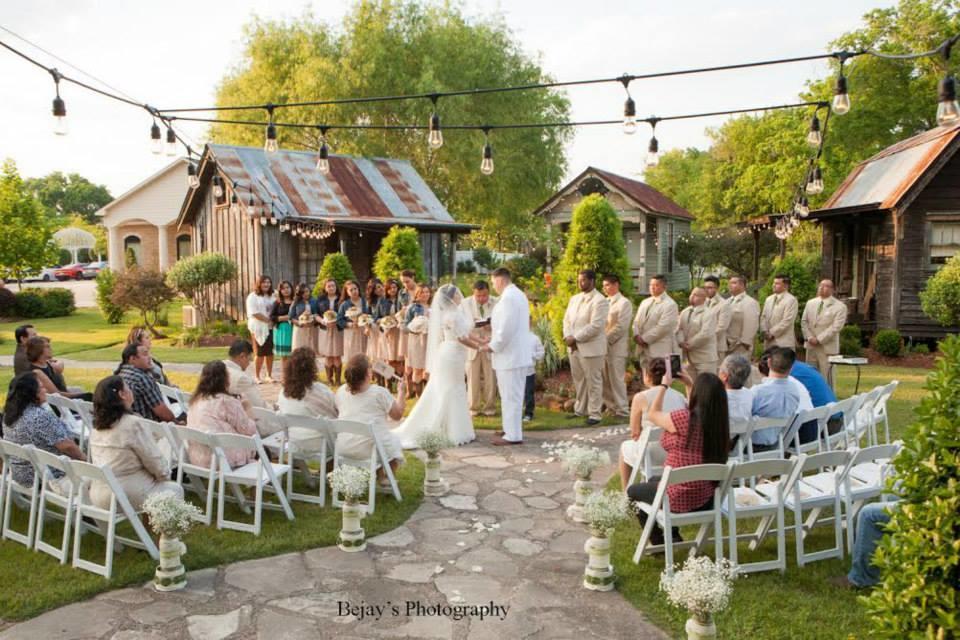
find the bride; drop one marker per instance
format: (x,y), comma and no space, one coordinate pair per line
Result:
(443,406)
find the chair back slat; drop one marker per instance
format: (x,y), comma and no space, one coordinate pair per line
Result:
(696,473)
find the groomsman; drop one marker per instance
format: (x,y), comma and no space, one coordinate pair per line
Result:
(697,335)
(481,382)
(822,319)
(720,309)
(655,325)
(744,319)
(618,347)
(583,333)
(779,316)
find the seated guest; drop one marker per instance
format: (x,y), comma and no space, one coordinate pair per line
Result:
(141,336)
(303,395)
(122,443)
(241,383)
(40,355)
(734,373)
(214,410)
(871,521)
(821,394)
(639,420)
(698,435)
(362,401)
(20,362)
(148,402)
(25,421)
(777,397)
(763,370)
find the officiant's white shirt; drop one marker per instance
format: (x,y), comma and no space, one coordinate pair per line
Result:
(510,323)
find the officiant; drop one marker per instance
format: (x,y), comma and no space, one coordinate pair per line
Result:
(481,380)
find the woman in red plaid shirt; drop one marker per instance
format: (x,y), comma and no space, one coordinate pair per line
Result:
(699,434)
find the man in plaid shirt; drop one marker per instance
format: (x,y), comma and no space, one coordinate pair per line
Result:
(147,399)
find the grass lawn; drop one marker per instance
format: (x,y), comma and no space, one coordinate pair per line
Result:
(162,350)
(36,582)
(85,329)
(88,378)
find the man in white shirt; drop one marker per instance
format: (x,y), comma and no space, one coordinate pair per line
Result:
(241,384)
(735,371)
(618,347)
(481,382)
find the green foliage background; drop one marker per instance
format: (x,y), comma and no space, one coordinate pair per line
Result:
(400,250)
(941,296)
(336,266)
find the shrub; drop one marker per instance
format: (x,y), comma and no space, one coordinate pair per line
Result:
(940,299)
(918,558)
(336,266)
(399,250)
(680,296)
(143,290)
(106,281)
(851,341)
(803,272)
(525,267)
(484,258)
(45,303)
(466,266)
(191,337)
(194,276)
(887,342)
(8,303)
(920,348)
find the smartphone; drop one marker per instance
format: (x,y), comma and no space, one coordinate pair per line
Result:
(675,364)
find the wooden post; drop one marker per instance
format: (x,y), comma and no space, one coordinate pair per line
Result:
(756,253)
(453,257)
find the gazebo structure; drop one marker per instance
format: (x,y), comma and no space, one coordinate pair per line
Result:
(73,239)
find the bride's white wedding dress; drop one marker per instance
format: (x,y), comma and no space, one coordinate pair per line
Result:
(443,406)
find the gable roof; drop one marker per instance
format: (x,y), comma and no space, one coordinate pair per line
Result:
(179,162)
(895,176)
(641,194)
(375,191)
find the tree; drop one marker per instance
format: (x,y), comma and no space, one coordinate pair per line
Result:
(336,266)
(387,47)
(68,195)
(941,297)
(106,283)
(399,250)
(595,242)
(194,276)
(26,243)
(143,290)
(803,274)
(728,249)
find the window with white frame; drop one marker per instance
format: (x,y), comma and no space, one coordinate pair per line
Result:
(944,241)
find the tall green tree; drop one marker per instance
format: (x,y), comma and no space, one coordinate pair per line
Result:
(67,195)
(387,47)
(26,243)
(399,250)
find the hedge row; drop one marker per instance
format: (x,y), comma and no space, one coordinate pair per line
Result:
(36,303)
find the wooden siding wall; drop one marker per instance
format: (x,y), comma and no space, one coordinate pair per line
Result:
(432,260)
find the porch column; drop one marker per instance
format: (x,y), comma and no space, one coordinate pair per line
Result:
(115,248)
(162,247)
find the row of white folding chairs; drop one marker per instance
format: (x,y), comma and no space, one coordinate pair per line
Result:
(862,415)
(839,480)
(176,399)
(38,498)
(76,414)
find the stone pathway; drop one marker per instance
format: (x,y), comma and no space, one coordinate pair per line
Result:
(499,536)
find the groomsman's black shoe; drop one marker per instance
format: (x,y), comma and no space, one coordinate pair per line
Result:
(593,422)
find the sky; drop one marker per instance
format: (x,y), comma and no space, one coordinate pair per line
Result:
(175,53)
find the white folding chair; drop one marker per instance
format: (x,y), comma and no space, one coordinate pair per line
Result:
(202,480)
(746,501)
(820,415)
(643,464)
(848,408)
(120,510)
(260,474)
(740,432)
(309,441)
(376,459)
(874,411)
(272,427)
(43,462)
(866,479)
(173,399)
(759,424)
(70,414)
(163,435)
(659,512)
(85,409)
(26,497)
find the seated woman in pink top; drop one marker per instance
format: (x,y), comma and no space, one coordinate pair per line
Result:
(214,410)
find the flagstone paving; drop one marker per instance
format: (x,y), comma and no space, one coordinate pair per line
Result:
(499,537)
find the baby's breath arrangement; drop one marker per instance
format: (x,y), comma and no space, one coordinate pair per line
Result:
(350,482)
(582,461)
(169,515)
(433,442)
(605,510)
(702,587)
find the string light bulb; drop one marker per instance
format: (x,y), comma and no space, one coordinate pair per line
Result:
(803,207)
(192,180)
(841,99)
(813,135)
(60,127)
(653,149)
(948,111)
(171,146)
(156,141)
(629,116)
(251,207)
(815,183)
(234,204)
(435,137)
(270,145)
(486,164)
(323,156)
(217,187)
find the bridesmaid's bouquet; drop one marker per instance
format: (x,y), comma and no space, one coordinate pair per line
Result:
(418,325)
(387,322)
(329,316)
(364,320)
(353,313)
(305,318)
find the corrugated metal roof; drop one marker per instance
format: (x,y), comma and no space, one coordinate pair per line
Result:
(883,180)
(356,189)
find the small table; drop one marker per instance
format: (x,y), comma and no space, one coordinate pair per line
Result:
(850,362)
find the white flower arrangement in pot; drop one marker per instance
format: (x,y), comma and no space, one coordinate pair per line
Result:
(432,443)
(603,511)
(352,483)
(582,462)
(702,587)
(170,517)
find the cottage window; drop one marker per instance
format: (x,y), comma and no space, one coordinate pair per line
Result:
(944,241)
(183,246)
(132,251)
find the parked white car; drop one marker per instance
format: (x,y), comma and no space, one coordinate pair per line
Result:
(45,275)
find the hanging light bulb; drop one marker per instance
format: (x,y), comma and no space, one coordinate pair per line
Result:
(435,138)
(252,210)
(234,204)
(192,180)
(629,116)
(271,146)
(486,165)
(217,187)
(323,157)
(803,207)
(813,135)
(171,146)
(294,232)
(841,99)
(156,141)
(815,183)
(653,152)
(60,127)
(947,108)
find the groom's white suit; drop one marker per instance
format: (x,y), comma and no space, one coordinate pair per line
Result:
(510,323)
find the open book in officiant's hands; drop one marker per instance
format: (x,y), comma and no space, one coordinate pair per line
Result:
(482,323)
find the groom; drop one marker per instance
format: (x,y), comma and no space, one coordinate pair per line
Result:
(511,357)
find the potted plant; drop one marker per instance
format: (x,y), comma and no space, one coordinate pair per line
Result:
(432,443)
(603,511)
(702,587)
(170,517)
(351,483)
(582,462)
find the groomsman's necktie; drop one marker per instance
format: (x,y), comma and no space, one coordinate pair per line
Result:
(819,308)
(776,299)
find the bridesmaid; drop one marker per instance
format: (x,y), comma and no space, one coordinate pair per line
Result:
(282,329)
(417,342)
(372,332)
(406,297)
(390,338)
(353,342)
(330,335)
(304,327)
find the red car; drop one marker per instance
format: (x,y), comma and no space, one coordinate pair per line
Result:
(70,272)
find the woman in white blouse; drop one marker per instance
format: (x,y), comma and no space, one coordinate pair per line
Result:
(303,395)
(259,307)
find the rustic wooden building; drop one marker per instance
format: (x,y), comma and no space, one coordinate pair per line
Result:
(298,215)
(652,222)
(889,227)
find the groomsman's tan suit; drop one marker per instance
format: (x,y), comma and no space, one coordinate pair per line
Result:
(698,329)
(585,320)
(778,317)
(618,349)
(744,322)
(720,309)
(823,318)
(656,324)
(481,380)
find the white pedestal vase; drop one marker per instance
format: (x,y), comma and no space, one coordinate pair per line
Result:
(582,489)
(700,628)
(433,484)
(598,576)
(352,537)
(170,573)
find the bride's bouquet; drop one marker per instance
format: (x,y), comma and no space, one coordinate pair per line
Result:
(418,325)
